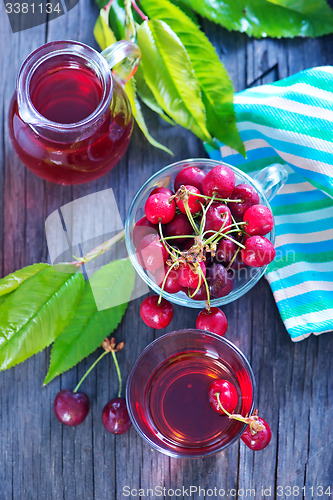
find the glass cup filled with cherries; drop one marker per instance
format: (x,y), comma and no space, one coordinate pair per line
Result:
(201,234)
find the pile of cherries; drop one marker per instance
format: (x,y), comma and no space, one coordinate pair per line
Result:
(193,239)
(223,398)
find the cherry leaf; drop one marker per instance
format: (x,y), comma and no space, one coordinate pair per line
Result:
(91,325)
(42,302)
(261,18)
(216,86)
(169,73)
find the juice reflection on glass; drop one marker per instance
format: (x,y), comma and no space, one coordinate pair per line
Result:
(167,393)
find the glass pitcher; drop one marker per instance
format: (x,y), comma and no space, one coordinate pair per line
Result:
(70,120)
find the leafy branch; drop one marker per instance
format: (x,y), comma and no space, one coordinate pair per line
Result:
(181,77)
(262,18)
(41,304)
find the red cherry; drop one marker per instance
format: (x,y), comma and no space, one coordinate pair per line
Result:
(193,201)
(220,181)
(229,286)
(162,190)
(71,408)
(220,281)
(257,440)
(258,252)
(156,315)
(248,196)
(190,175)
(227,395)
(186,245)
(214,321)
(159,208)
(225,251)
(259,220)
(218,215)
(188,277)
(217,278)
(200,295)
(238,264)
(142,228)
(180,225)
(115,416)
(171,284)
(151,253)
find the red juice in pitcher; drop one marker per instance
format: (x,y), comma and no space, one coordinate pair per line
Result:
(70,120)
(67,94)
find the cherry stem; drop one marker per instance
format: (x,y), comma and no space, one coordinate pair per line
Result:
(118,372)
(178,236)
(216,233)
(255,426)
(234,221)
(240,418)
(163,284)
(139,11)
(203,220)
(189,216)
(108,5)
(89,370)
(219,233)
(165,243)
(199,283)
(227,200)
(202,277)
(233,259)
(99,250)
(207,289)
(226,235)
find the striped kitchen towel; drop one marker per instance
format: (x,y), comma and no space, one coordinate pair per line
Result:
(291,122)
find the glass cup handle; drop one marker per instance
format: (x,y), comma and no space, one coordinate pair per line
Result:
(270,179)
(125,56)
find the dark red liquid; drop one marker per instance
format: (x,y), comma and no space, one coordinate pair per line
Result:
(67,93)
(177,396)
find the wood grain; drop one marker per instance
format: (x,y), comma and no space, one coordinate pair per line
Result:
(40,459)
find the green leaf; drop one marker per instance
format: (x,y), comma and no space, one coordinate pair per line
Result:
(104,37)
(139,118)
(274,18)
(147,96)
(102,3)
(117,19)
(216,86)
(4,297)
(90,326)
(169,73)
(103,34)
(36,312)
(12,281)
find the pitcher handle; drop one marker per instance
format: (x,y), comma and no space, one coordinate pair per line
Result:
(270,179)
(125,56)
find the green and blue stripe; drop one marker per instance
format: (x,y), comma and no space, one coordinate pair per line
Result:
(291,122)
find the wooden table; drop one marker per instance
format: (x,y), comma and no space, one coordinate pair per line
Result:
(40,459)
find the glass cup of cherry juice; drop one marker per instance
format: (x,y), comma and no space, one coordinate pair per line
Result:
(167,393)
(70,121)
